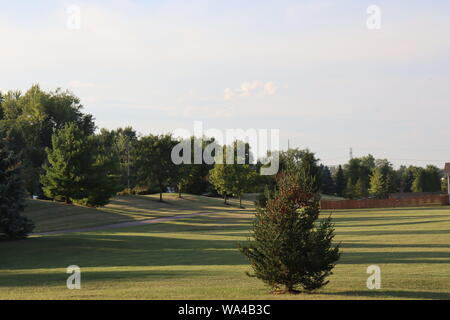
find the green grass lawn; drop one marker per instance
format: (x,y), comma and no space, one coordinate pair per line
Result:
(51,216)
(331,198)
(196,258)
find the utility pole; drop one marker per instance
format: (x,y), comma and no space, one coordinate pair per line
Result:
(128,166)
(447,173)
(289,147)
(351,153)
(448,186)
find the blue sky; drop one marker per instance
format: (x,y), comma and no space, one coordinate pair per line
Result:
(309,68)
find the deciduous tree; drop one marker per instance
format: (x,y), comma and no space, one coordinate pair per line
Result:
(155,166)
(233,178)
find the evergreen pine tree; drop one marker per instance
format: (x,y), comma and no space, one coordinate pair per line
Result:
(289,250)
(340,182)
(69,159)
(1,108)
(327,185)
(378,186)
(79,169)
(103,179)
(308,171)
(388,173)
(407,178)
(12,193)
(360,189)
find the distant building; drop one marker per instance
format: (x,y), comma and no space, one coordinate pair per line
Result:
(447,168)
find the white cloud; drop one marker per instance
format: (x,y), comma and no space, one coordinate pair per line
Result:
(250,88)
(269,88)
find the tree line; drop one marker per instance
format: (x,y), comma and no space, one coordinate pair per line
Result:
(366,176)
(64,158)
(52,148)
(49,148)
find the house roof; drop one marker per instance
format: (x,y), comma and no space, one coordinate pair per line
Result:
(447,168)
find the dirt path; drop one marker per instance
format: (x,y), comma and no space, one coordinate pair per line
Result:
(123,224)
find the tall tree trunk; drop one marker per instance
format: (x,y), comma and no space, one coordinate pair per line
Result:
(225,198)
(161,189)
(240,201)
(290,288)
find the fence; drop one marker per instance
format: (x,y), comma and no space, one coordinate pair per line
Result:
(399,195)
(386,203)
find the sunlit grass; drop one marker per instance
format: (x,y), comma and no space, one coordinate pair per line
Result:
(197,258)
(51,216)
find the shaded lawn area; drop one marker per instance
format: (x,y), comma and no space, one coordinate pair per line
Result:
(51,216)
(197,258)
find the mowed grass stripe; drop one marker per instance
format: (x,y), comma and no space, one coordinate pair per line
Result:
(197,258)
(50,216)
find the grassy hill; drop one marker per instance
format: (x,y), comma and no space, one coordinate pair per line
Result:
(52,216)
(197,257)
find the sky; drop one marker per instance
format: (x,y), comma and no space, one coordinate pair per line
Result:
(312,69)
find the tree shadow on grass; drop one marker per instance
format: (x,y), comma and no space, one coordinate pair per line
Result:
(390,210)
(363,245)
(391,232)
(396,294)
(150,249)
(117,250)
(60,278)
(111,250)
(402,257)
